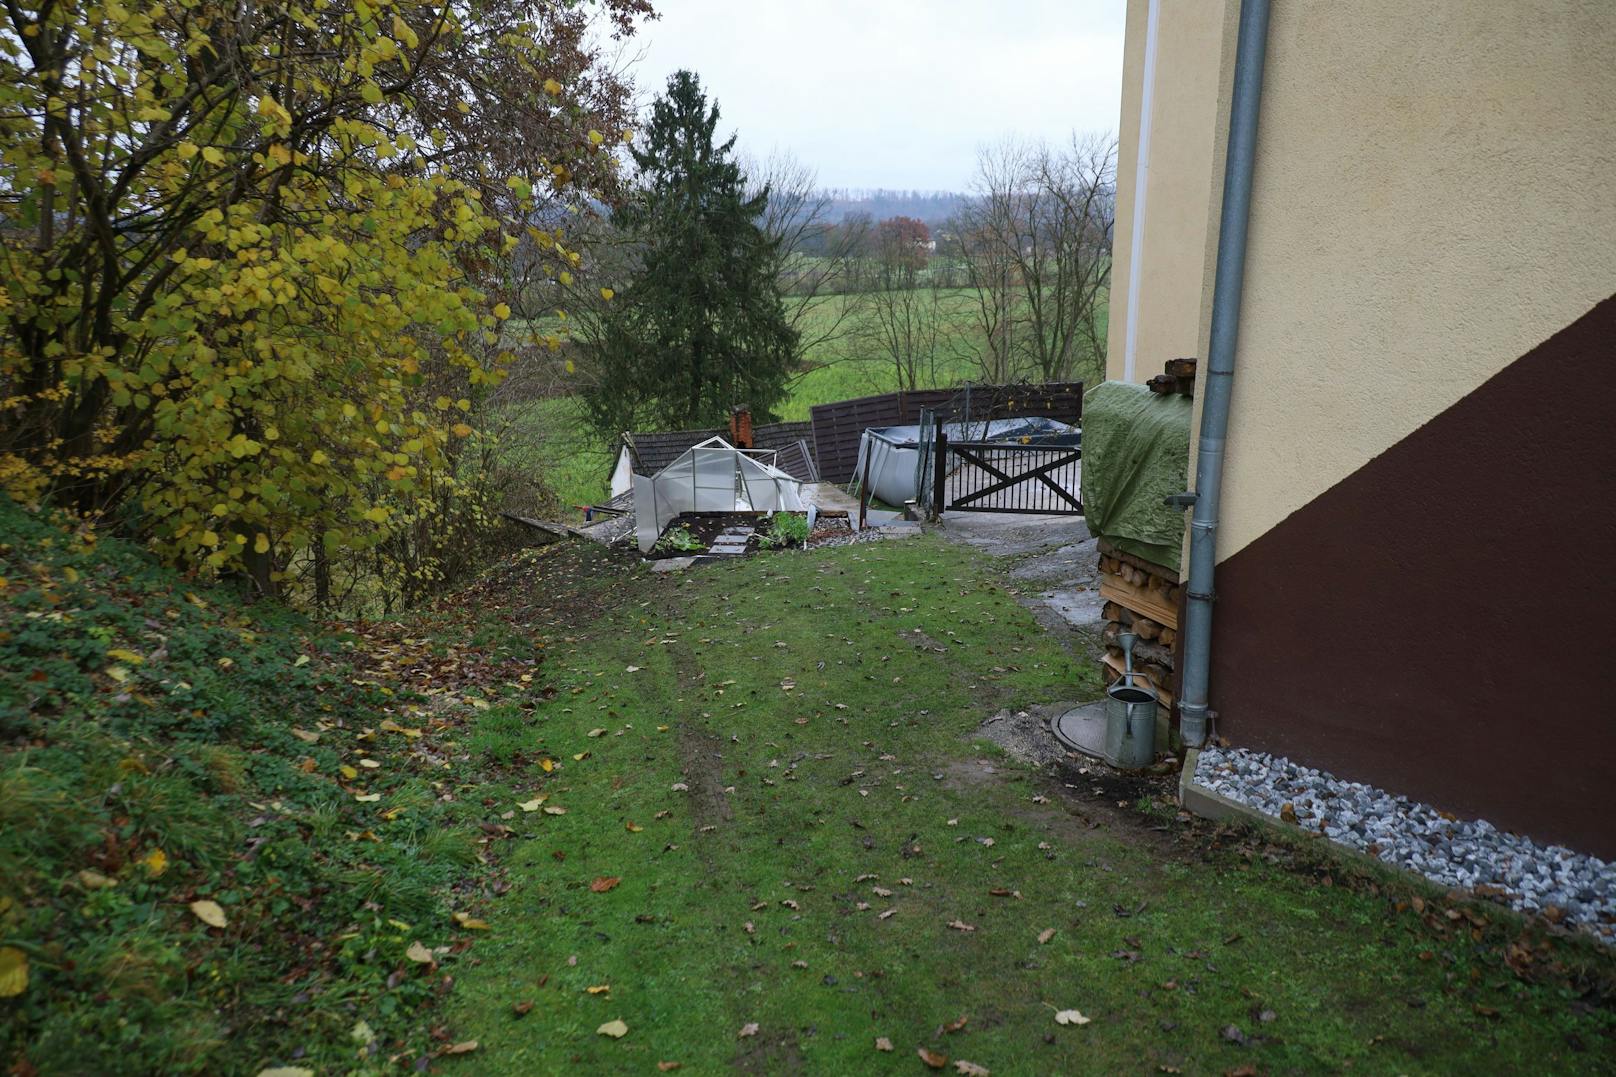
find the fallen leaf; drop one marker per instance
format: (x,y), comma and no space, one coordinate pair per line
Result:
(530,805)
(596,732)
(305,736)
(362,1033)
(932,1058)
(523,1008)
(1045,935)
(955,1026)
(13,972)
(208,912)
(367,798)
(552,809)
(961,925)
(883,1044)
(286,1071)
(94,880)
(749,1029)
(971,1069)
(1070,1017)
(155,862)
(631,669)
(666,1066)
(469,922)
(464,1048)
(632,827)
(598,989)
(604,883)
(680,787)
(615,1029)
(884,915)
(418,954)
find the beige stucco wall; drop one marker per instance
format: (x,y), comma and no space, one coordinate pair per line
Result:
(1435,194)
(1180,219)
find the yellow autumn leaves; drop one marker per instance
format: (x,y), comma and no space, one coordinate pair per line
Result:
(13,972)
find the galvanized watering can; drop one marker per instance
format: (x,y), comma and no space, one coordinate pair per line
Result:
(1130,715)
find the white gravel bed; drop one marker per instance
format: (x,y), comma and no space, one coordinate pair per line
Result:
(1469,854)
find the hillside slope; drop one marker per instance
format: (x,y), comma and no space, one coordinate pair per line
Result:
(230,838)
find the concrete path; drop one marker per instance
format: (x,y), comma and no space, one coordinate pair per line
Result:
(1053,557)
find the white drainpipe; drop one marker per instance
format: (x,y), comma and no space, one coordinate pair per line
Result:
(1141,181)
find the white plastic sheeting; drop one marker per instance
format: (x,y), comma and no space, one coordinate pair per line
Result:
(893,452)
(712,476)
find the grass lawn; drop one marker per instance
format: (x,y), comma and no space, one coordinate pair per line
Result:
(740,810)
(770,842)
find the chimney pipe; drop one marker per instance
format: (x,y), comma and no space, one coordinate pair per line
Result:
(740,427)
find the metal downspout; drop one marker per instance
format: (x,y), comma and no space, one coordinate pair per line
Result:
(1215,394)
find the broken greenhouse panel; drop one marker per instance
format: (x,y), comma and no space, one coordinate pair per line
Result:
(712,476)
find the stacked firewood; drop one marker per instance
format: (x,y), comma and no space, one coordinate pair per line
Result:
(1177,377)
(1142,598)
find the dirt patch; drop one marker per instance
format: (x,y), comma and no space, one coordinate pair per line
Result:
(703,762)
(1088,794)
(919,639)
(705,527)
(1025,735)
(771,1053)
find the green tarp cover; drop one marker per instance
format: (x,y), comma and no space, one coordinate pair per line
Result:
(1136,450)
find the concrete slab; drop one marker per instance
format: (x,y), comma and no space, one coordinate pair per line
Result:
(672,564)
(830,497)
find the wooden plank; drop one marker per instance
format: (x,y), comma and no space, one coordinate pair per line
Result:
(1138,562)
(1139,600)
(1164,693)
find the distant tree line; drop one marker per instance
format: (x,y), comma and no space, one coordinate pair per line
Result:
(719,280)
(1016,275)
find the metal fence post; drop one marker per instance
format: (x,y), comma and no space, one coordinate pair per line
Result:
(939,469)
(864,493)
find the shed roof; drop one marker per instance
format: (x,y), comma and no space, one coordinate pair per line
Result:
(651,451)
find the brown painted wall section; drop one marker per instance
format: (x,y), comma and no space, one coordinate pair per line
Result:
(1442,622)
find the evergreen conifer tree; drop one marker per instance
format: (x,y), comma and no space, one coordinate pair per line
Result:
(700,328)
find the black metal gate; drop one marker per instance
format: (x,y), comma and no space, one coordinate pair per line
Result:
(992,476)
(1018,476)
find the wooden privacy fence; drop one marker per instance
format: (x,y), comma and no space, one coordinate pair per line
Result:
(838,427)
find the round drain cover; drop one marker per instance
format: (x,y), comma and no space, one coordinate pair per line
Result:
(1082,729)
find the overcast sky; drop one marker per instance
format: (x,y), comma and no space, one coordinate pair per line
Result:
(892,93)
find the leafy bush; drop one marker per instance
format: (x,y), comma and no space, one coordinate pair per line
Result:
(786,529)
(680,539)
